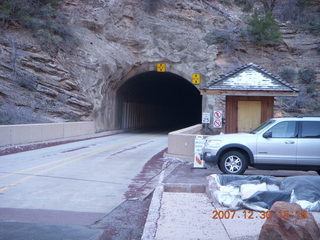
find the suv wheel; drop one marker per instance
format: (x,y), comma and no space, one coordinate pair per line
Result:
(233,162)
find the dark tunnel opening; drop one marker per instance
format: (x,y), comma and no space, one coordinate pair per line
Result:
(158,101)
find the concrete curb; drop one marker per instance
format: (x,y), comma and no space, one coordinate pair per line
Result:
(188,158)
(150,227)
(183,187)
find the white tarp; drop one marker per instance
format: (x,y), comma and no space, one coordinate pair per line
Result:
(260,192)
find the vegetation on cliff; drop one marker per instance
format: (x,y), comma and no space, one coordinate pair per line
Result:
(264,29)
(41,18)
(299,14)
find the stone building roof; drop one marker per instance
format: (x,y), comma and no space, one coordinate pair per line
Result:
(250,77)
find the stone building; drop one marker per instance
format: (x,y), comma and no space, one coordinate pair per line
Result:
(245,97)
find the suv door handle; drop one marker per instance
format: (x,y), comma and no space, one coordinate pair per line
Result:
(289,142)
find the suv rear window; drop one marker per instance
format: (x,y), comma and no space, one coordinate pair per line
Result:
(310,129)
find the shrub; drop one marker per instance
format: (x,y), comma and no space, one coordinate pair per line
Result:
(13,12)
(63,98)
(311,89)
(226,2)
(152,6)
(71,117)
(304,3)
(264,29)
(12,114)
(307,75)
(41,18)
(314,27)
(297,104)
(308,100)
(26,80)
(292,105)
(217,36)
(268,5)
(288,74)
(302,14)
(4,117)
(240,2)
(247,7)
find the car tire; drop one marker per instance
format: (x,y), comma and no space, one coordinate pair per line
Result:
(318,171)
(233,162)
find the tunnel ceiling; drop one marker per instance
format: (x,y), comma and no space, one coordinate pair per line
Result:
(158,100)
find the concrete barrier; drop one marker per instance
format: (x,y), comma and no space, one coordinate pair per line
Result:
(181,142)
(29,133)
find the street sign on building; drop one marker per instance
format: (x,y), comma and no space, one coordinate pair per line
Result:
(161,67)
(196,79)
(205,117)
(217,119)
(198,145)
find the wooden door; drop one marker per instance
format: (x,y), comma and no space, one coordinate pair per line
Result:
(266,111)
(249,115)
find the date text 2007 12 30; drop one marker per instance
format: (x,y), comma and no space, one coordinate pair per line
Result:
(249,214)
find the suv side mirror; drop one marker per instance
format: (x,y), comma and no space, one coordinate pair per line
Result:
(267,134)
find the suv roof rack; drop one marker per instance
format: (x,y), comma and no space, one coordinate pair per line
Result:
(302,116)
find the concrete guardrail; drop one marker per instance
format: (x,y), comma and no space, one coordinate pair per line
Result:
(29,133)
(181,142)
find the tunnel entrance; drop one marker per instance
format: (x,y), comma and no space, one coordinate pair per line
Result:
(158,101)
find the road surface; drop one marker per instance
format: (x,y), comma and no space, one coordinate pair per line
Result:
(75,183)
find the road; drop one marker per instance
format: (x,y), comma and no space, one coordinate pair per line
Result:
(75,183)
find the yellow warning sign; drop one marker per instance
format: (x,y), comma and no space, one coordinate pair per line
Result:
(161,67)
(196,79)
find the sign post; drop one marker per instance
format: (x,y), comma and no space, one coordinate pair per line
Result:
(198,145)
(217,119)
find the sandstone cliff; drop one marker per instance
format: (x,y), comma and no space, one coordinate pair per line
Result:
(119,39)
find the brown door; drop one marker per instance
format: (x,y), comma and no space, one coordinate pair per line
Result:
(244,113)
(249,115)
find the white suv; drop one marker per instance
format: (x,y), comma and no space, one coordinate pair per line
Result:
(279,143)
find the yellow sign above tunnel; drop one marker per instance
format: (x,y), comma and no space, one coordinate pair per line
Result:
(161,67)
(196,79)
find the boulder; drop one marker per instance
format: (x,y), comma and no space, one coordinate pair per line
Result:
(289,222)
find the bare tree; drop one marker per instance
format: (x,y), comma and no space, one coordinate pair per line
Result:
(268,5)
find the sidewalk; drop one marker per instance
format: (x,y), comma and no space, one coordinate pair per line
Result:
(181,209)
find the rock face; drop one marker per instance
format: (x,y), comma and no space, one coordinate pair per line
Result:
(289,222)
(120,39)
(37,87)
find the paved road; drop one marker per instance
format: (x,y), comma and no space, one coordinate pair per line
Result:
(75,183)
